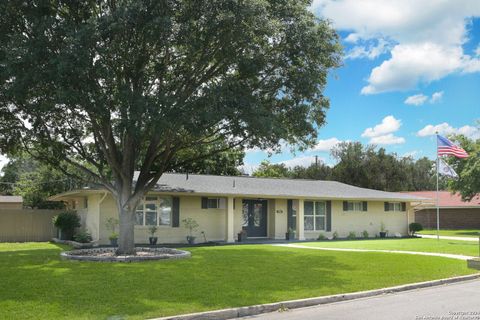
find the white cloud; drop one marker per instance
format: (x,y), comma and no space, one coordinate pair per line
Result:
(389,124)
(303,161)
(436,97)
(419,99)
(414,63)
(411,154)
(416,100)
(326,145)
(477,51)
(370,51)
(427,35)
(446,129)
(3,161)
(387,139)
(383,133)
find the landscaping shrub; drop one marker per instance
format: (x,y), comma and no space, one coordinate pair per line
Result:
(67,221)
(415,227)
(335,235)
(321,236)
(365,234)
(351,235)
(83,236)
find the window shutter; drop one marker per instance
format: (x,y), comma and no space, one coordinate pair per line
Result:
(204,203)
(365,206)
(345,205)
(386,206)
(291,220)
(329,215)
(222,203)
(404,206)
(176,212)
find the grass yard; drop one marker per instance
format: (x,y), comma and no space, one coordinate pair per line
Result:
(470,233)
(37,284)
(413,244)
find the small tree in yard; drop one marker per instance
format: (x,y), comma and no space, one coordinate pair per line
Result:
(109,87)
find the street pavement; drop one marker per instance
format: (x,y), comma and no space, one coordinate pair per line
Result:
(458,301)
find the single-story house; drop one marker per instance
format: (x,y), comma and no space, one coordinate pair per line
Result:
(263,207)
(11,202)
(454,213)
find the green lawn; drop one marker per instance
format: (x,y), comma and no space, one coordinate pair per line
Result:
(470,233)
(414,244)
(36,284)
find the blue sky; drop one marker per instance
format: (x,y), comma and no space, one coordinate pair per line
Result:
(410,68)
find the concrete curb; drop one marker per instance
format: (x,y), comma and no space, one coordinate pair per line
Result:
(309,302)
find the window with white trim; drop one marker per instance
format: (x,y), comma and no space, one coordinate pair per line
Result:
(314,215)
(395,206)
(154,211)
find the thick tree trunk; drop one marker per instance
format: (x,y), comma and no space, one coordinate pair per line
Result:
(126,241)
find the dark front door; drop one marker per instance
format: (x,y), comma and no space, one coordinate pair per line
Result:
(255,217)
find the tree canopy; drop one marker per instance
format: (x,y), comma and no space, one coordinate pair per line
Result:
(363,166)
(468,183)
(110,87)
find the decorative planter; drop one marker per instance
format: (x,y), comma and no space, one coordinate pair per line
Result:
(383,234)
(290,236)
(153,240)
(242,236)
(114,242)
(190,240)
(474,263)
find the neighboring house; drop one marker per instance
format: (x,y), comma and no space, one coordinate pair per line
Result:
(454,213)
(264,207)
(11,202)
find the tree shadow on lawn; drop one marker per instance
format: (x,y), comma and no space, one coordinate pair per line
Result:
(213,278)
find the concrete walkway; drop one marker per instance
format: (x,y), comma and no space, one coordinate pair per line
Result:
(432,254)
(429,236)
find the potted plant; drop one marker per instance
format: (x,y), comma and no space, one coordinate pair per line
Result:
(242,235)
(383,231)
(111,225)
(291,234)
(67,222)
(152,239)
(192,226)
(113,237)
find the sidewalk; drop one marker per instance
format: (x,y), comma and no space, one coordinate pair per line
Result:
(429,236)
(433,254)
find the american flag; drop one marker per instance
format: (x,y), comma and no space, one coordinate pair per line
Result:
(446,147)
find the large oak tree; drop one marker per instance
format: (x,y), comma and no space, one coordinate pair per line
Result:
(110,87)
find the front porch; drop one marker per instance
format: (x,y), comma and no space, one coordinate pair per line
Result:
(263,220)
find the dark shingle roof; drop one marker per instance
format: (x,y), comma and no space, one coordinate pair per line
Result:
(271,187)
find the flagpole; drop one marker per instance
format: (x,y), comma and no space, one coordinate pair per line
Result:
(438,208)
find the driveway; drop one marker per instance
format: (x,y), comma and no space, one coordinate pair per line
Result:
(448,302)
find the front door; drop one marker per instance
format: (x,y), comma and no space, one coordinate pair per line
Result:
(255,217)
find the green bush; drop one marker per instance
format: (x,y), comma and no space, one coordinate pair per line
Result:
(83,236)
(67,221)
(415,227)
(321,236)
(335,235)
(365,234)
(352,235)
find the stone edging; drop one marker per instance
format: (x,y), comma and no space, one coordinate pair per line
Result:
(160,254)
(309,302)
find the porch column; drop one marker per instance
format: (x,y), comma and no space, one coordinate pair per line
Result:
(300,223)
(229,236)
